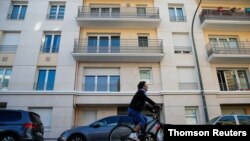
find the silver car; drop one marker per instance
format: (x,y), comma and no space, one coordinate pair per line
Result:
(97,131)
(230,120)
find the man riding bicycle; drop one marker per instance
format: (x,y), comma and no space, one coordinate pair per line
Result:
(137,104)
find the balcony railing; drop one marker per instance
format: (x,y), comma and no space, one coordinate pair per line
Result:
(228,48)
(234,87)
(119,46)
(55,16)
(178,18)
(223,15)
(111,87)
(8,48)
(119,12)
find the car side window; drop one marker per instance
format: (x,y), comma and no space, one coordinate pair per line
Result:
(110,121)
(10,116)
(227,120)
(126,120)
(244,120)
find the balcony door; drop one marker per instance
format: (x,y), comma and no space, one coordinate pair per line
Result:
(105,11)
(103,44)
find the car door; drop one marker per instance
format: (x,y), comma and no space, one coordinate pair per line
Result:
(99,131)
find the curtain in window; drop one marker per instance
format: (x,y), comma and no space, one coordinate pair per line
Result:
(89,84)
(47,43)
(53,10)
(15,11)
(172,14)
(180,14)
(51,80)
(92,44)
(61,12)
(41,80)
(115,44)
(103,44)
(102,83)
(56,43)
(114,85)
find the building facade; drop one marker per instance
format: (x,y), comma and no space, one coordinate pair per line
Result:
(76,61)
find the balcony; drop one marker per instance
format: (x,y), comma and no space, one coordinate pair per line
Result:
(118,17)
(124,50)
(234,87)
(8,48)
(225,20)
(229,52)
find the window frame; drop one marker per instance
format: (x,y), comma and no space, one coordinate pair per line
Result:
(4,78)
(47,69)
(148,81)
(176,17)
(196,116)
(52,34)
(57,15)
(21,4)
(96,83)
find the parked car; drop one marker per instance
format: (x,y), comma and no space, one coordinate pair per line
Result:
(19,125)
(97,131)
(230,120)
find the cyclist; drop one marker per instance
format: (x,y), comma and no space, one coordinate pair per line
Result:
(137,104)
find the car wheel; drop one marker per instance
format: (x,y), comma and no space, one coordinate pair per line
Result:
(76,138)
(8,137)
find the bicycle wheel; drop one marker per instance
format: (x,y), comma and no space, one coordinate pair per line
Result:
(120,133)
(160,135)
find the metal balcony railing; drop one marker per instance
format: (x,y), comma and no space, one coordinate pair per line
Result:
(118,46)
(228,48)
(234,87)
(223,15)
(109,87)
(118,12)
(8,48)
(55,16)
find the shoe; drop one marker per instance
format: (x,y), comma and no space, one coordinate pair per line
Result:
(133,136)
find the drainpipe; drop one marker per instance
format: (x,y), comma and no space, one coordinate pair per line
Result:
(198,67)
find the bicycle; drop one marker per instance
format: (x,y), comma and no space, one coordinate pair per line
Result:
(154,130)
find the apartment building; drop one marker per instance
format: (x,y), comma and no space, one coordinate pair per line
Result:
(76,61)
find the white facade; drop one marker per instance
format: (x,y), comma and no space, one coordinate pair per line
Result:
(172,75)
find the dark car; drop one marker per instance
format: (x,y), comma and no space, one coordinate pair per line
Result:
(20,125)
(97,131)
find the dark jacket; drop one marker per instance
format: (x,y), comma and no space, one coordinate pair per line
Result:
(139,101)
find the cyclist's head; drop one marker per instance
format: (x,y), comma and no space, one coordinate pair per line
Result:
(142,85)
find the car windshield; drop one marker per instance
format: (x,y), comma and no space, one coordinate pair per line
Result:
(212,120)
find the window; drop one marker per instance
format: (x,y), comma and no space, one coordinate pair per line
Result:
(103,44)
(143,41)
(187,78)
(224,42)
(145,75)
(141,11)
(5,74)
(46,79)
(191,114)
(231,80)
(227,120)
(45,116)
(51,43)
(9,42)
(244,120)
(103,80)
(10,116)
(176,14)
(182,43)
(56,11)
(96,11)
(18,10)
